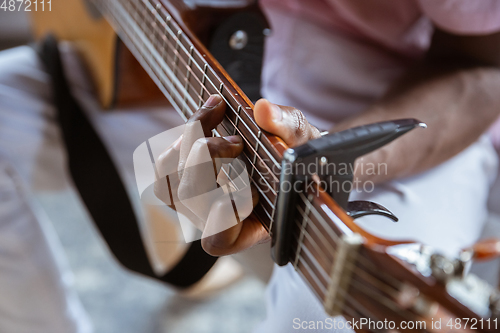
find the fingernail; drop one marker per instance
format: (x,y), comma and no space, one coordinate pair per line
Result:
(277,114)
(233,139)
(212,101)
(177,143)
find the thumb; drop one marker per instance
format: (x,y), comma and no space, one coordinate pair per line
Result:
(284,121)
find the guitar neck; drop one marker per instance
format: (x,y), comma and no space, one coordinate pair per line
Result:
(187,75)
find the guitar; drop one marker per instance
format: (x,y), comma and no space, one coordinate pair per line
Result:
(352,272)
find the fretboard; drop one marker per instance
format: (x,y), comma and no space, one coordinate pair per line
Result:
(181,69)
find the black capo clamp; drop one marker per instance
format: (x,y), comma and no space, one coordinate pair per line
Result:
(331,158)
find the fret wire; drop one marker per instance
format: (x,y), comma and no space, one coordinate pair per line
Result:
(257,146)
(188,73)
(203,86)
(253,161)
(262,192)
(255,183)
(147,3)
(169,72)
(255,168)
(307,254)
(229,178)
(176,53)
(320,218)
(142,60)
(237,117)
(253,164)
(325,242)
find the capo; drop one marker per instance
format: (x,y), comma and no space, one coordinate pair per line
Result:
(321,158)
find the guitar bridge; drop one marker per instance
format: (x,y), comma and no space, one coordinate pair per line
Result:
(340,276)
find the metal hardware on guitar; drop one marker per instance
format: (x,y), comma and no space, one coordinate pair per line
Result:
(468,289)
(320,158)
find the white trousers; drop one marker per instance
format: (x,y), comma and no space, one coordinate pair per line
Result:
(35,281)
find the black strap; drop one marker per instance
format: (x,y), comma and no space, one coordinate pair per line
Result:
(102,190)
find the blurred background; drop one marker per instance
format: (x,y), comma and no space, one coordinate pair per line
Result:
(116,300)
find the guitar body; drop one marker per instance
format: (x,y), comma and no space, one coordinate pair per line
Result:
(93,36)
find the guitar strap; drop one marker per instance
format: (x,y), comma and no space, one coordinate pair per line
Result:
(101,189)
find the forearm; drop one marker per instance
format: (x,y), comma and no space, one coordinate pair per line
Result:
(457,107)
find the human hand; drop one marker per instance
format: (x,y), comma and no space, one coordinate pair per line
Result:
(186,156)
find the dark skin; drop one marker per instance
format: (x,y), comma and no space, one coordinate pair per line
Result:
(455,91)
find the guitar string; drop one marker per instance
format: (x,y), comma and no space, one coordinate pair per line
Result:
(347,309)
(228,103)
(360,308)
(161,83)
(154,10)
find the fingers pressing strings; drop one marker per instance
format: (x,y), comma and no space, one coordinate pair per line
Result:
(287,122)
